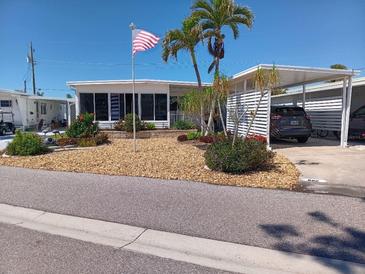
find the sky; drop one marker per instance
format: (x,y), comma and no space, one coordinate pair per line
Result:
(91,39)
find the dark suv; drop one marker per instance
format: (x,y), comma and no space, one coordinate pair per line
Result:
(357,124)
(290,122)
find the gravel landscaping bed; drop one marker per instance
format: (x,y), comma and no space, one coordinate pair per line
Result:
(163,158)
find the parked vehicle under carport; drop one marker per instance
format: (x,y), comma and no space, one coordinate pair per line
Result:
(290,122)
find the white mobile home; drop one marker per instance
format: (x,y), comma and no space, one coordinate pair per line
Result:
(27,111)
(111,100)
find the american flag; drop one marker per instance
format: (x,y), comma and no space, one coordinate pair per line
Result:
(143,40)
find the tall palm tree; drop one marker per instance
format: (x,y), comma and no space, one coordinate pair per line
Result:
(185,39)
(213,15)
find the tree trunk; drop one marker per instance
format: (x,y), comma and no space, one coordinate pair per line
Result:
(212,107)
(222,121)
(254,115)
(200,87)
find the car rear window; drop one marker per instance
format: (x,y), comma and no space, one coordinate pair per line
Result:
(289,111)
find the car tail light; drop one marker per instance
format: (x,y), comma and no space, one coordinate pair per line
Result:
(275,117)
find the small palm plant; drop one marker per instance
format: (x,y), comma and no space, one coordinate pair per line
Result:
(265,81)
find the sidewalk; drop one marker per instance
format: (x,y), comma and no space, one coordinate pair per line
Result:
(205,252)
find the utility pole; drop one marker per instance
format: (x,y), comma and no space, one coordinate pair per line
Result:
(25,86)
(32,62)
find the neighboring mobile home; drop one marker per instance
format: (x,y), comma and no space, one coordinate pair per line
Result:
(26,110)
(155,100)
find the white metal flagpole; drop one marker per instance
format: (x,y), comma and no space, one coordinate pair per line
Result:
(133,27)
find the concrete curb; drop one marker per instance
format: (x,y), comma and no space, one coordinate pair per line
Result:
(205,252)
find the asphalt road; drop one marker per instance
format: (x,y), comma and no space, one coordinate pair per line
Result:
(27,251)
(320,225)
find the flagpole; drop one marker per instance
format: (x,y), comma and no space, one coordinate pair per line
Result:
(133,27)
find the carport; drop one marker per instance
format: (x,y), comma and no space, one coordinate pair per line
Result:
(246,97)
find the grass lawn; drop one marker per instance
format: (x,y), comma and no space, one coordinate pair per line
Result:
(158,158)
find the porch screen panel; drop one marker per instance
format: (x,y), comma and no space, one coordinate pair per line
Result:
(121,106)
(245,104)
(160,107)
(147,107)
(115,106)
(101,106)
(86,102)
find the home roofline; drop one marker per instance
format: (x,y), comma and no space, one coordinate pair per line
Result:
(348,72)
(139,81)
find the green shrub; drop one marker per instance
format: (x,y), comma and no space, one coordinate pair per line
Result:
(193,135)
(83,127)
(150,126)
(242,157)
(25,144)
(183,125)
(128,123)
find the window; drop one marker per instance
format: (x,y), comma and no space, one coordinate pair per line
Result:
(5,103)
(43,108)
(87,102)
(147,107)
(101,107)
(160,107)
(129,103)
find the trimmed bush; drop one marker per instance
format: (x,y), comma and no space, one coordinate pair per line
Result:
(183,125)
(193,135)
(182,138)
(25,144)
(245,155)
(206,139)
(83,127)
(150,126)
(128,123)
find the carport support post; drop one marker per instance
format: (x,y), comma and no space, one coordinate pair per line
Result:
(268,119)
(343,117)
(348,110)
(303,99)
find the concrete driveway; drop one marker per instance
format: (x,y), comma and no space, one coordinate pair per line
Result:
(327,168)
(5,140)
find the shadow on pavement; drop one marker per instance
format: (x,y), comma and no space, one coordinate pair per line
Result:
(344,243)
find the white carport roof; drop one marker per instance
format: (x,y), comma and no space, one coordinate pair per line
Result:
(294,76)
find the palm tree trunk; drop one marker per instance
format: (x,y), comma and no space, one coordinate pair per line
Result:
(200,87)
(212,107)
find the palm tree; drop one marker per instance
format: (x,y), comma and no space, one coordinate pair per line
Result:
(213,15)
(185,39)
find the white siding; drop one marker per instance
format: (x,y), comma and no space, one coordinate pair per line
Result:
(247,102)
